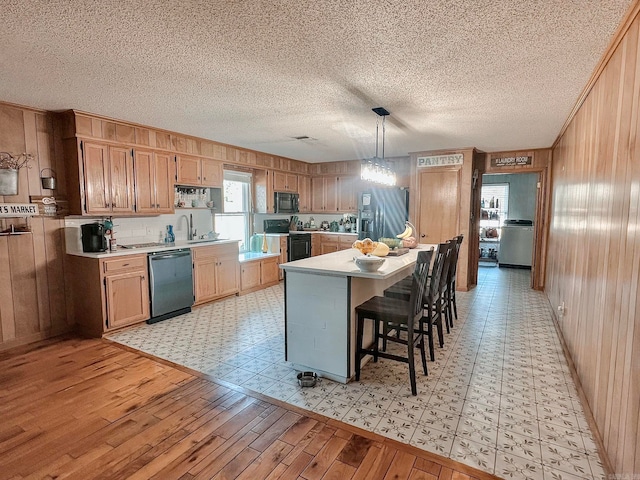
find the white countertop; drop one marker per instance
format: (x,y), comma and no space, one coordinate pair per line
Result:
(341,264)
(159,248)
(254,256)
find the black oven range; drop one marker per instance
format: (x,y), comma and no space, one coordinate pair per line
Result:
(298,244)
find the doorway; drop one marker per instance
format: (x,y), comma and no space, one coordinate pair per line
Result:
(507,207)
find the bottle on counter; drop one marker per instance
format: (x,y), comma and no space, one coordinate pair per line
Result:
(265,247)
(171,237)
(113,244)
(492,203)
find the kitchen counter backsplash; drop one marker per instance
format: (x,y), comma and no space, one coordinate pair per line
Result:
(129,231)
(259,218)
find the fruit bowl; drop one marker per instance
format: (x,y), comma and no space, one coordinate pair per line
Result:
(369,263)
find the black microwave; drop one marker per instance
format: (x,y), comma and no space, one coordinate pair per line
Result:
(286,202)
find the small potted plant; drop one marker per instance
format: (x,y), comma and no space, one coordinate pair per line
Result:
(9,166)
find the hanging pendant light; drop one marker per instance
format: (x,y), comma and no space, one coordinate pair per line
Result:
(378,170)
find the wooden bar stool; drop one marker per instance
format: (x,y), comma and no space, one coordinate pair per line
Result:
(450,292)
(394,314)
(432,312)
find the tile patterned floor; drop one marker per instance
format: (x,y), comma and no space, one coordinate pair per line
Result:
(498,397)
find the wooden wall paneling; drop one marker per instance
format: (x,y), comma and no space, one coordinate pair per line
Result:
(125,133)
(630,419)
(108,130)
(593,259)
(11,133)
(142,136)
(96,128)
(207,148)
(39,161)
(179,143)
(163,140)
(85,126)
(7,313)
(23,284)
(615,413)
(42,277)
(47,141)
(605,287)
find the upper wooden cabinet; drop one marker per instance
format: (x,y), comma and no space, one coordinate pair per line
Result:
(199,171)
(263,201)
(285,182)
(108,178)
(304,189)
(348,193)
(154,181)
(324,194)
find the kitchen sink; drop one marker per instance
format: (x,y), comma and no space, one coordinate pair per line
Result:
(205,240)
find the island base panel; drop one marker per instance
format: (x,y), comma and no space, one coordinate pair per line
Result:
(317,322)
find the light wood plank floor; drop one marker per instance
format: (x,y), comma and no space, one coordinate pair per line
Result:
(91,409)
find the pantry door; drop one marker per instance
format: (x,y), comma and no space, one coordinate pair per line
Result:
(439,206)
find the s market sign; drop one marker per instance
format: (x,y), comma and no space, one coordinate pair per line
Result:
(18,210)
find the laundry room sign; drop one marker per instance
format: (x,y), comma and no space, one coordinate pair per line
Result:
(511,161)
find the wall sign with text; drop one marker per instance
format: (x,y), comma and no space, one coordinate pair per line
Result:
(440,160)
(18,210)
(511,161)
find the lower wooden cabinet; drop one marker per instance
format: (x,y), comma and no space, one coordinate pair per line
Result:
(258,274)
(215,272)
(107,294)
(328,242)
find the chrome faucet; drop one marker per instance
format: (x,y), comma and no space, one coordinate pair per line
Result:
(191,232)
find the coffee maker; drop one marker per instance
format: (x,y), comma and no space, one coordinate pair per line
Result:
(93,239)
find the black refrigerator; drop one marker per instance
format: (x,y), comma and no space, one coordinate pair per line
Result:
(382,212)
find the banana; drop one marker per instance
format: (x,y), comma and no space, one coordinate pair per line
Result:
(407,232)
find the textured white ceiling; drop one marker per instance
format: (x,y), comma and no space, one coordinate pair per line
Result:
(494,74)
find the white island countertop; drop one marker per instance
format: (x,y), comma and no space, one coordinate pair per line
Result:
(342,264)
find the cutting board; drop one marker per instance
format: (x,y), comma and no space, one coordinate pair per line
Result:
(397,252)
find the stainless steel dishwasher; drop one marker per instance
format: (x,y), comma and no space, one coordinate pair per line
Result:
(170,284)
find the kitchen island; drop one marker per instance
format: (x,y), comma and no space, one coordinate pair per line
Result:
(321,294)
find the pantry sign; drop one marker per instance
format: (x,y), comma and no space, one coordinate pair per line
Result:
(440,160)
(18,210)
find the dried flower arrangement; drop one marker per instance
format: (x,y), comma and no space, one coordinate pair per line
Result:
(8,161)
